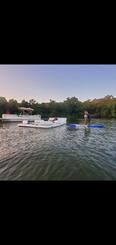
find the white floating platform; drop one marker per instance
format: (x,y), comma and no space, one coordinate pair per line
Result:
(40,126)
(44,124)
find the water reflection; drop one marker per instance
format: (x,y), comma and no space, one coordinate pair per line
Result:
(87,132)
(73,119)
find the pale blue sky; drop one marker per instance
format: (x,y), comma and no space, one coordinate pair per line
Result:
(57,82)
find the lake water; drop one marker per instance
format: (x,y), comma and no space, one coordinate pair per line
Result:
(59,153)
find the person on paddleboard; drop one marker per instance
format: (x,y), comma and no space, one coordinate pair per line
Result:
(86,118)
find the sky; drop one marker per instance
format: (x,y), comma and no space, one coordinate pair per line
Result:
(57,82)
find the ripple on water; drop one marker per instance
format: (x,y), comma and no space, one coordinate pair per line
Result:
(58,154)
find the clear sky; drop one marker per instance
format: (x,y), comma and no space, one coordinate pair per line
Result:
(57,82)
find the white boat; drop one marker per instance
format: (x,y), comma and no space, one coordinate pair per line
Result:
(26,114)
(19,118)
(51,123)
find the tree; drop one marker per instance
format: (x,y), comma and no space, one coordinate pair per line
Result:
(32,102)
(113,111)
(24,103)
(3,105)
(13,106)
(74,106)
(3,100)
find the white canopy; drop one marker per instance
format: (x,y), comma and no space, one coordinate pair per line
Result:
(25,109)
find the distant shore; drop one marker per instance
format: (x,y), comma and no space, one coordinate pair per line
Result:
(71,107)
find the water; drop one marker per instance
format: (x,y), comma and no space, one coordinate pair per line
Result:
(59,153)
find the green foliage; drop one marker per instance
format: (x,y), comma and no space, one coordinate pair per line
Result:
(113,111)
(13,106)
(24,103)
(3,105)
(71,108)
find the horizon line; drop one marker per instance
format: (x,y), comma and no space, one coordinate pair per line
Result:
(81,100)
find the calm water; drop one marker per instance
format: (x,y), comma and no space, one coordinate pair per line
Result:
(58,154)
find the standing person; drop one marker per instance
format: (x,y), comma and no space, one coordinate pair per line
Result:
(86,118)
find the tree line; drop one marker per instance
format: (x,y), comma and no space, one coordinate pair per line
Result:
(98,108)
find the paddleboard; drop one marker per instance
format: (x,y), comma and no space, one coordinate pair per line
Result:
(74,125)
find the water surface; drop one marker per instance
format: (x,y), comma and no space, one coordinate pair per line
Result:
(59,153)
